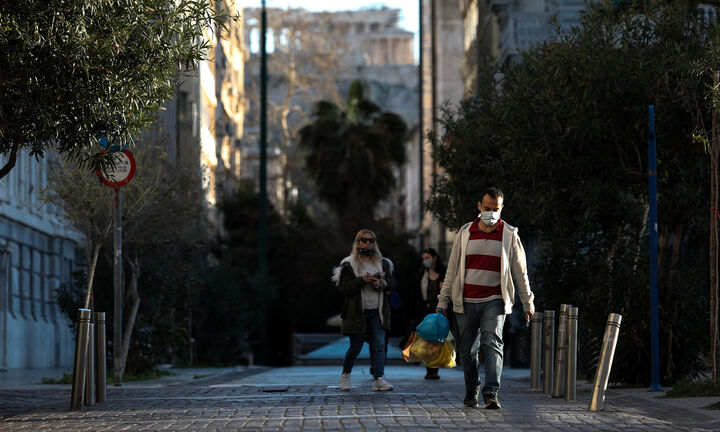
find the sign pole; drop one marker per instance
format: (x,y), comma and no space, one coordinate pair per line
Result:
(262,205)
(654,319)
(121,171)
(117,290)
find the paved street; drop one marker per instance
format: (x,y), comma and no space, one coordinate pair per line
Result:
(308,398)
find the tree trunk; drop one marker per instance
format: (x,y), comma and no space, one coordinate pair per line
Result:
(287,137)
(134,264)
(643,231)
(714,148)
(5,170)
(678,234)
(91,270)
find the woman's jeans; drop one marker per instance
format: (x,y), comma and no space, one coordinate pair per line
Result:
(376,332)
(482,325)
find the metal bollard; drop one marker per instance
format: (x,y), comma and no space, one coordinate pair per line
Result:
(571,364)
(100,362)
(612,330)
(536,351)
(81,344)
(560,353)
(90,368)
(548,349)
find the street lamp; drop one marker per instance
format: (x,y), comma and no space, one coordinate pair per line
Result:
(262,205)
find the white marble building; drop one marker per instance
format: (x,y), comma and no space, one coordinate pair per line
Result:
(37,254)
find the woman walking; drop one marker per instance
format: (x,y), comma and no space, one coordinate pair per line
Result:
(365,279)
(430,276)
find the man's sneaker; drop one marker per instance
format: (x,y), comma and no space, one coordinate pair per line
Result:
(491,401)
(345,381)
(471,399)
(381,384)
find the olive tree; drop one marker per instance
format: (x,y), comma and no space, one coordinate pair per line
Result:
(78,70)
(564,132)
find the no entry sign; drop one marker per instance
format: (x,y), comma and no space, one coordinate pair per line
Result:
(121,173)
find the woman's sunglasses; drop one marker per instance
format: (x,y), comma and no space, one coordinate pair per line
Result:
(366,240)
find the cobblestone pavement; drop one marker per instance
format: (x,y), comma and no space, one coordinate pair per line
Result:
(308,398)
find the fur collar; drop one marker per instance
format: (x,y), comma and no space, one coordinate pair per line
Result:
(335,277)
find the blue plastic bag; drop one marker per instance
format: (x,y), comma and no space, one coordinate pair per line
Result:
(434,327)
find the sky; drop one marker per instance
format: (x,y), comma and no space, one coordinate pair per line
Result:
(408,14)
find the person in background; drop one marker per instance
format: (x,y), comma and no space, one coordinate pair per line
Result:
(430,279)
(365,278)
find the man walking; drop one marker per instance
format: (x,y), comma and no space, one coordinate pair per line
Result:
(486,264)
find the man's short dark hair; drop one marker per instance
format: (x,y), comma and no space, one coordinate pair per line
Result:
(493,192)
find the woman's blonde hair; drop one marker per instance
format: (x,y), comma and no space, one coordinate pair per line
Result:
(377,256)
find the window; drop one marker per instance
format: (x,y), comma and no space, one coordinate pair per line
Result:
(4,278)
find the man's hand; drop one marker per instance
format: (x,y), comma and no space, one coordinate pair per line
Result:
(528,317)
(440,311)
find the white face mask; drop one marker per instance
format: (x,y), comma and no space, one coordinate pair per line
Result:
(428,263)
(490,218)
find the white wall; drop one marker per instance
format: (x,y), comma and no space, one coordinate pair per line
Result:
(37,254)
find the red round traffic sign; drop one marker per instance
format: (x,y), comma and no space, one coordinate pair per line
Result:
(121,173)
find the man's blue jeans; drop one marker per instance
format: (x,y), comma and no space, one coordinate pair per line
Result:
(482,325)
(375,330)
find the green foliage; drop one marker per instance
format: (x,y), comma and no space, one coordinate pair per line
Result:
(67,377)
(714,406)
(71,294)
(566,139)
(351,154)
(166,260)
(171,285)
(299,297)
(688,387)
(76,70)
(234,306)
(225,316)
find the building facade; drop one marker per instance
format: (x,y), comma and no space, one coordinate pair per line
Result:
(316,55)
(203,124)
(38,251)
(457,39)
(441,59)
(498,30)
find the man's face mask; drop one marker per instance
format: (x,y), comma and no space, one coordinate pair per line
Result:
(489,218)
(490,209)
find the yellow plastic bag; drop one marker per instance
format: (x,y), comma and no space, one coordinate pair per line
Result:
(407,355)
(434,354)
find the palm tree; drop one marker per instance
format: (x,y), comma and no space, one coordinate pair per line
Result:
(351,155)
